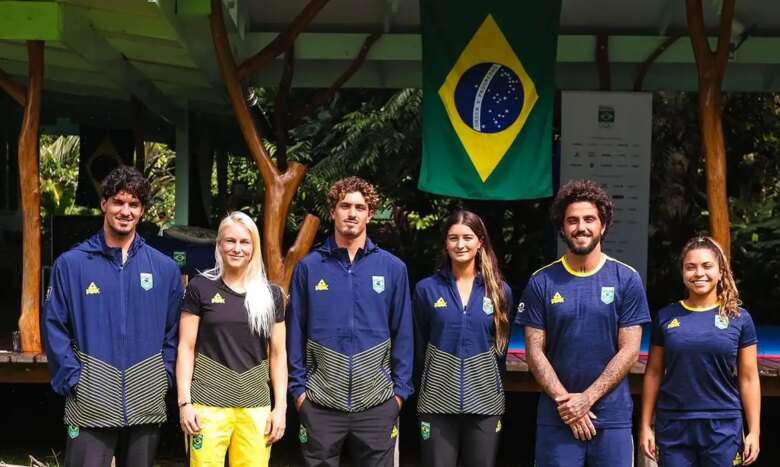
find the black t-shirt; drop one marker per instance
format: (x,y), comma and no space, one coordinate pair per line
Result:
(231,367)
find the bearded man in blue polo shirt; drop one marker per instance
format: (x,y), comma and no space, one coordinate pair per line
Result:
(583,317)
(349,338)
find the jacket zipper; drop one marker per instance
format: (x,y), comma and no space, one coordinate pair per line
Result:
(351,335)
(123,332)
(463,325)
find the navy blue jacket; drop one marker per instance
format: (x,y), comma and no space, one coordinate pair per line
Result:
(456,348)
(111,332)
(349,328)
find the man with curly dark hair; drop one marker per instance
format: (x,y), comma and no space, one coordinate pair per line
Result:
(111,318)
(349,338)
(582,191)
(582,316)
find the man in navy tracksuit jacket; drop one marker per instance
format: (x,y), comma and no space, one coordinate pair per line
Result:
(111,321)
(349,338)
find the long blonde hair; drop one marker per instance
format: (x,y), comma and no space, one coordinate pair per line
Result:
(728,295)
(258,300)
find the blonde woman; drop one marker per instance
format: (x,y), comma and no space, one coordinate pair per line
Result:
(231,336)
(702,372)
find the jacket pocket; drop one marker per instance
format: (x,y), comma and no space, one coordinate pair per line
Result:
(326,382)
(441,388)
(371,380)
(96,401)
(146,383)
(481,378)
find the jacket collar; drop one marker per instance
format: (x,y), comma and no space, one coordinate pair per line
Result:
(96,245)
(445,273)
(330,248)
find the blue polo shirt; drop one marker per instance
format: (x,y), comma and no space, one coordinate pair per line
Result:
(700,361)
(581,314)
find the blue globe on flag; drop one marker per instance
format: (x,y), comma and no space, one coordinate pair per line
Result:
(489,97)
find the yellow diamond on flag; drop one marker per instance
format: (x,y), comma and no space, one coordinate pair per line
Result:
(488,97)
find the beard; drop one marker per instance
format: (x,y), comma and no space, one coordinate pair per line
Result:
(118,231)
(582,250)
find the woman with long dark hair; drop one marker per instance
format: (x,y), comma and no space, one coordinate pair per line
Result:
(702,371)
(231,339)
(462,325)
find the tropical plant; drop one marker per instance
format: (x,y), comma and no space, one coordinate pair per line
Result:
(59,173)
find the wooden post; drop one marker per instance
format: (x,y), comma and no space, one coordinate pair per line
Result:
(280,187)
(29,322)
(711,68)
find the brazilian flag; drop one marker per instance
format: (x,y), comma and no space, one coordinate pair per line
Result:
(488,92)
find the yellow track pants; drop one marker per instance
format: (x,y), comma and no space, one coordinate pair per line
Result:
(238,431)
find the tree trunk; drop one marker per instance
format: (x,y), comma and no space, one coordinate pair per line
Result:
(29,322)
(280,187)
(714,146)
(711,67)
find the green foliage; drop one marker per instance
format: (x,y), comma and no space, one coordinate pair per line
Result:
(59,173)
(159,170)
(751,123)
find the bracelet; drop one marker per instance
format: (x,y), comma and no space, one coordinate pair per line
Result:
(182,404)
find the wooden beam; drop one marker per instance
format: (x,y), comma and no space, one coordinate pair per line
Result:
(572,48)
(711,67)
(24,373)
(283,41)
(12,88)
(193,7)
(29,321)
(21,21)
(84,40)
(191,24)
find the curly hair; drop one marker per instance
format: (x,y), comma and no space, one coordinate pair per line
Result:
(351,185)
(581,190)
(728,295)
(128,179)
